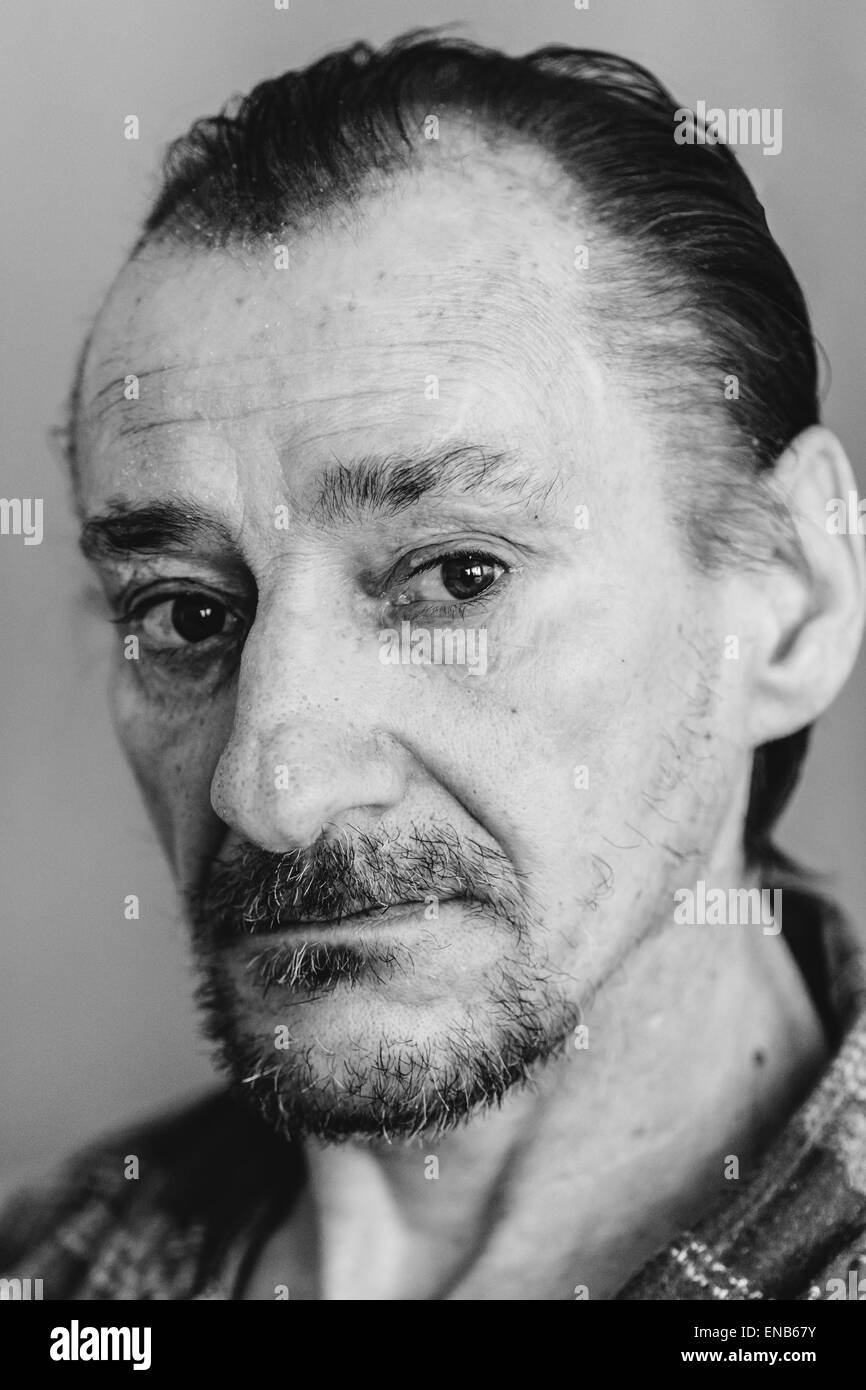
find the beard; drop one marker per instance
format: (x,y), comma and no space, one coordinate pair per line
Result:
(321,1069)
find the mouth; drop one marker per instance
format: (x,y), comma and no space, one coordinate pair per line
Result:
(368,924)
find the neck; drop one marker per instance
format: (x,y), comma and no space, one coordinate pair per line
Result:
(695,1055)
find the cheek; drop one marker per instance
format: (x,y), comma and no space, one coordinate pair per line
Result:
(598,757)
(173,751)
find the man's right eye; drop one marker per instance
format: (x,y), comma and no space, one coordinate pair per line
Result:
(175,622)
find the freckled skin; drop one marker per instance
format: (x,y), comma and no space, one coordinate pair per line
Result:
(604,651)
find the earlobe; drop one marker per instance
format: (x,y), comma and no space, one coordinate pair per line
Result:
(815,592)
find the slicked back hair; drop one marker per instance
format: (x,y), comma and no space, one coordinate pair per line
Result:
(685,284)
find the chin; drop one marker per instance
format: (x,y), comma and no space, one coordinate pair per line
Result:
(373,1051)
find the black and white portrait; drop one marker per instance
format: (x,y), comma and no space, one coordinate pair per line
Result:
(435,584)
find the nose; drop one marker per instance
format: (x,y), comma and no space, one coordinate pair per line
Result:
(302,757)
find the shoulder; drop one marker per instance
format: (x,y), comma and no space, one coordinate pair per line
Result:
(136,1214)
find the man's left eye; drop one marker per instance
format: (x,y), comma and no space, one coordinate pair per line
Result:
(461,577)
(186,620)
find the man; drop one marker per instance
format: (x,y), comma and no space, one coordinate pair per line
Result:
(448,448)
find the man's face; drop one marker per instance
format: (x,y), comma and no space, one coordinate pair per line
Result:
(408,877)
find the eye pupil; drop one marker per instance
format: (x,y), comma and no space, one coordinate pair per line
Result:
(195,618)
(465,576)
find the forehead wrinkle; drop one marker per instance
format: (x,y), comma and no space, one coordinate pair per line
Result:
(119,383)
(504,308)
(515,305)
(169,368)
(504,347)
(268,383)
(209,417)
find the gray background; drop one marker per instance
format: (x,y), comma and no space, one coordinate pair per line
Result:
(95,1021)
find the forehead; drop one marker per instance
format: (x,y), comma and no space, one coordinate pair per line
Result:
(449,307)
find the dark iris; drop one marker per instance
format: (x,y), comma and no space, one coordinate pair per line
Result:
(466,577)
(195,618)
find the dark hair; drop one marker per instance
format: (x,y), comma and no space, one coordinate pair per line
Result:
(686,283)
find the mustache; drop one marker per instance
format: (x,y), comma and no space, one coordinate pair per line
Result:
(256,891)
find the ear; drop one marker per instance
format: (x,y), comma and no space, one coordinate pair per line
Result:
(809,609)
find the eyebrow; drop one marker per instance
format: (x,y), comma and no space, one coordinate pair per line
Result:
(387,485)
(390,484)
(159,528)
